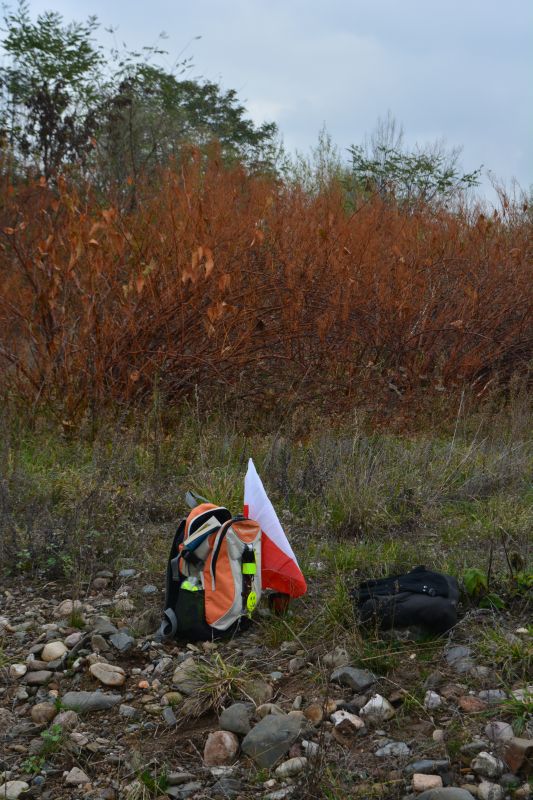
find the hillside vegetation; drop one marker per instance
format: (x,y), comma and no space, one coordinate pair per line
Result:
(233,285)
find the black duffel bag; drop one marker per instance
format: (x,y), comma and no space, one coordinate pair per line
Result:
(419,599)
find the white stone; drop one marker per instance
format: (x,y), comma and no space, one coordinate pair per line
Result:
(76,777)
(523,695)
(311,749)
(432,700)
(13,789)
(438,735)
(17,671)
(487,765)
(498,731)
(67,719)
(346,717)
(423,783)
(53,650)
(377,710)
(67,607)
(338,658)
(124,605)
(268,708)
(108,674)
(221,748)
(490,791)
(291,767)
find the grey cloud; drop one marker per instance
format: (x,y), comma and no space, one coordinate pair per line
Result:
(459,69)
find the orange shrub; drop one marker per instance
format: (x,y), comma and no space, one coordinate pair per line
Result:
(230,284)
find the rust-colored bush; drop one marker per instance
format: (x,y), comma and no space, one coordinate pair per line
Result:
(239,285)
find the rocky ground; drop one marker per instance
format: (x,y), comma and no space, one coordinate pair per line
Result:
(93,707)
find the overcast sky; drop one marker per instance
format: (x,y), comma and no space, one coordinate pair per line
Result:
(458,69)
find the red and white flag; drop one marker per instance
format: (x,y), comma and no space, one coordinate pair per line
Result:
(279,567)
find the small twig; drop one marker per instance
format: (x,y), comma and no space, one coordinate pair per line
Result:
(504,545)
(295,635)
(489,568)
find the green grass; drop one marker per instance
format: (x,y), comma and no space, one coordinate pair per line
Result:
(511,655)
(357,502)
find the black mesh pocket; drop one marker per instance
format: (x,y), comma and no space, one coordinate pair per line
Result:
(190,613)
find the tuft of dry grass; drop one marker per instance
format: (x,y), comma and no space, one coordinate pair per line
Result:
(220,682)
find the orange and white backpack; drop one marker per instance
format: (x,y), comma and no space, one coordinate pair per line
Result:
(213,574)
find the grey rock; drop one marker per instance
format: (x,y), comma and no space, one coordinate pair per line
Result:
(259,691)
(35,664)
(393,749)
(236,718)
(280,794)
(98,643)
(290,648)
(104,626)
(85,702)
(149,589)
(179,778)
(447,793)
(39,678)
(434,680)
(492,696)
(473,747)
(510,781)
(427,766)
(356,679)
(185,791)
(226,787)
(185,677)
(276,675)
(122,641)
(169,717)
(481,672)
(162,665)
(456,652)
(296,664)
(127,573)
(460,658)
(271,738)
(128,711)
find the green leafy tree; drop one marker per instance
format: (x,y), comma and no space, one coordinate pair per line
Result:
(62,95)
(153,112)
(51,87)
(429,175)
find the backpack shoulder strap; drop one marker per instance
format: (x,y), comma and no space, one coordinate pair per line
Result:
(168,626)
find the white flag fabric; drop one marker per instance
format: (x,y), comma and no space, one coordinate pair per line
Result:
(280,570)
